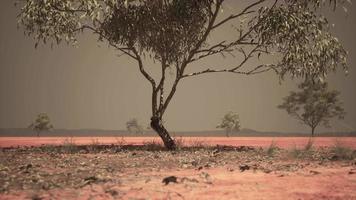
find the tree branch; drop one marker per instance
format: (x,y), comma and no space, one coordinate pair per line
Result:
(257,70)
(124,50)
(244,12)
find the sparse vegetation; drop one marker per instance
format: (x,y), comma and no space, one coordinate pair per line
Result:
(41,123)
(133,126)
(303,153)
(89,165)
(272,149)
(230,122)
(69,145)
(314,104)
(342,152)
(177,34)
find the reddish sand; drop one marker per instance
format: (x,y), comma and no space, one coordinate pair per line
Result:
(283,142)
(217,183)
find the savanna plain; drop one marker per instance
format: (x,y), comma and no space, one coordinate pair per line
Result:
(201,168)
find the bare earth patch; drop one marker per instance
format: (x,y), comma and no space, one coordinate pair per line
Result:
(93,171)
(283,142)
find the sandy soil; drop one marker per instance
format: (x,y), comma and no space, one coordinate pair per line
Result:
(219,184)
(114,172)
(283,142)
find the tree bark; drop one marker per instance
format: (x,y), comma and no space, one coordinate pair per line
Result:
(156,124)
(313,131)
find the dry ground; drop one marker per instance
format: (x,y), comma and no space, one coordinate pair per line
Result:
(121,171)
(283,142)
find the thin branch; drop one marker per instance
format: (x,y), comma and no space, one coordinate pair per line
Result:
(160,86)
(124,50)
(244,12)
(205,36)
(143,71)
(257,70)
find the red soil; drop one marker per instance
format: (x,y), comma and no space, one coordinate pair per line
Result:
(283,142)
(329,183)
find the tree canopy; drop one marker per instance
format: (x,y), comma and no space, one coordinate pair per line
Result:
(314,104)
(133,126)
(41,123)
(230,122)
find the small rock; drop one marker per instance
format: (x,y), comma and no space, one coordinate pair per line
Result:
(314,172)
(230,169)
(112,192)
(169,179)
(244,168)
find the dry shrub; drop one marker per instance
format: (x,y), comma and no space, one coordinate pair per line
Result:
(198,143)
(69,146)
(272,149)
(342,152)
(153,145)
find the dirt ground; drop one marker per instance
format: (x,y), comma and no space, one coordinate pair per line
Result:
(283,142)
(71,171)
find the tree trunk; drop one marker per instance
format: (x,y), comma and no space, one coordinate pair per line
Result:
(156,124)
(38,133)
(313,131)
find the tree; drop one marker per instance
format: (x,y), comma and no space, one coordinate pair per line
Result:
(175,33)
(314,104)
(230,122)
(133,126)
(41,123)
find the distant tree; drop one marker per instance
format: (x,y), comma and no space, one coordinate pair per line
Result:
(230,122)
(133,126)
(175,34)
(41,123)
(314,104)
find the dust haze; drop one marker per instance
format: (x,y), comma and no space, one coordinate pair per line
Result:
(92,87)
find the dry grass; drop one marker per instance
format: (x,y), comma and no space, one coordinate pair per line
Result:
(272,149)
(342,152)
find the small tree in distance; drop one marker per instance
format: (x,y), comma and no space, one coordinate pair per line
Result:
(133,126)
(314,104)
(41,123)
(230,122)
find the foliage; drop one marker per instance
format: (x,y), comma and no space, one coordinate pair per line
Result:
(342,152)
(41,123)
(176,33)
(307,152)
(272,149)
(230,122)
(301,37)
(133,126)
(314,104)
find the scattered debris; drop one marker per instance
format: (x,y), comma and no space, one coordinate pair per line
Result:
(185,179)
(206,177)
(244,168)
(352,171)
(112,192)
(170,179)
(314,172)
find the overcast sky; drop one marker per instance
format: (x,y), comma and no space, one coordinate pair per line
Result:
(91,87)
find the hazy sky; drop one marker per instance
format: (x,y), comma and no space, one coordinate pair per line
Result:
(91,87)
